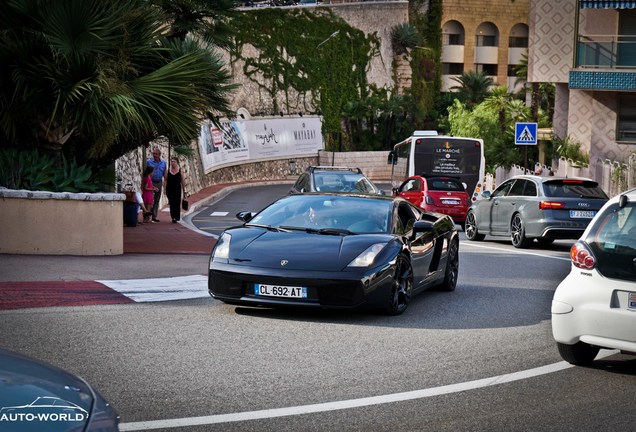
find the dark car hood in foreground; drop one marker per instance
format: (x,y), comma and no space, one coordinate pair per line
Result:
(258,247)
(64,402)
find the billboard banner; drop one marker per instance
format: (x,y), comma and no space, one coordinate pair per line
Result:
(251,140)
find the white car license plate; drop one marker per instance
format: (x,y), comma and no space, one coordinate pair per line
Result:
(582,214)
(631,300)
(280,291)
(450,202)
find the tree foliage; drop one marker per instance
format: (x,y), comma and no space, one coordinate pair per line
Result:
(98,78)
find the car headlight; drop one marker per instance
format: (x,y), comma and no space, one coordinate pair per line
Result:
(222,248)
(366,258)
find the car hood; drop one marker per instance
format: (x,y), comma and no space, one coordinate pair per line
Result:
(29,386)
(257,247)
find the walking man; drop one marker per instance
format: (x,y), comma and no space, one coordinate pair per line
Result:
(158,177)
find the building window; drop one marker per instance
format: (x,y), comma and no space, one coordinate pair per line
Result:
(626,118)
(452,68)
(512,70)
(487,40)
(518,42)
(488,69)
(455,39)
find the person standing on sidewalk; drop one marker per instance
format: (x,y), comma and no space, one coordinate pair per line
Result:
(148,191)
(158,176)
(175,184)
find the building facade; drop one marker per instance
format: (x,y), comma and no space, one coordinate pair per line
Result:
(587,48)
(487,35)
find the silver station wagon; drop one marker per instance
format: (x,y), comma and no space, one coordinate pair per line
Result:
(531,207)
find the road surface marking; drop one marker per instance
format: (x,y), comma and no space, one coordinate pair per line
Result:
(351,403)
(523,252)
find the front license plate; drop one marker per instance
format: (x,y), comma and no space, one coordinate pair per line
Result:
(450,202)
(280,291)
(582,214)
(631,300)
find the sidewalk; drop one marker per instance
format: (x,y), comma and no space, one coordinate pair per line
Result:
(166,237)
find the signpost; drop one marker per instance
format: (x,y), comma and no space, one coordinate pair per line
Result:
(526,135)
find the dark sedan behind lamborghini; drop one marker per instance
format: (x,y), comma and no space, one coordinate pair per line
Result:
(335,251)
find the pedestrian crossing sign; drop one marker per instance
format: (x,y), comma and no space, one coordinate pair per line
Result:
(526,133)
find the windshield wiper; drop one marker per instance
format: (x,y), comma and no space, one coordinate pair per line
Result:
(269,227)
(335,231)
(325,231)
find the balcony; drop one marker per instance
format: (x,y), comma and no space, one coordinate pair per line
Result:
(605,62)
(606,51)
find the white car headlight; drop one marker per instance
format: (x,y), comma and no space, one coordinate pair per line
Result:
(222,249)
(365,259)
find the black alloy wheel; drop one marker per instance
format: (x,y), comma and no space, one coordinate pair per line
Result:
(452,268)
(518,232)
(402,287)
(470,227)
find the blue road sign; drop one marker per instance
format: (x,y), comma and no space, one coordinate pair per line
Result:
(525,133)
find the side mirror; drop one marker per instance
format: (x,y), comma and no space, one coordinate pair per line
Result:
(423,226)
(395,191)
(486,194)
(392,159)
(244,216)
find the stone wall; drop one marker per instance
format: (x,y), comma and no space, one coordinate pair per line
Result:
(373,163)
(369,17)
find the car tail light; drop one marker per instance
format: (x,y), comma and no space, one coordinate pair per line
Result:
(551,205)
(429,200)
(582,256)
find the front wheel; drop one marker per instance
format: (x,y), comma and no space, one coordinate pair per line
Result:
(452,268)
(580,353)
(470,227)
(518,232)
(402,287)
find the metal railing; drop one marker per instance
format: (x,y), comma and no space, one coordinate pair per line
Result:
(606,51)
(614,177)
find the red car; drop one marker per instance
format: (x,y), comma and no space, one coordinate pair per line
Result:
(440,194)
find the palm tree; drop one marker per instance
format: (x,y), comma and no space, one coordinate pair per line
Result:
(99,78)
(473,87)
(499,101)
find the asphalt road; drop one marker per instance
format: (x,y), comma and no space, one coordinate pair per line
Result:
(478,359)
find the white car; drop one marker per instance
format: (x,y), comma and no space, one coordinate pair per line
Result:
(594,307)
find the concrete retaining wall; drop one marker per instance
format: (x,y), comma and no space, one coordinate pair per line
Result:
(51,223)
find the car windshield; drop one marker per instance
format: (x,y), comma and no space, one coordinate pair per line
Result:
(613,241)
(572,188)
(331,214)
(445,184)
(342,182)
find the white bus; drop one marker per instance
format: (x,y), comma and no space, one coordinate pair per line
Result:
(426,153)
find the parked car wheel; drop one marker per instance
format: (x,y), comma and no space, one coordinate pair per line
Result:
(402,289)
(470,227)
(518,232)
(452,268)
(578,354)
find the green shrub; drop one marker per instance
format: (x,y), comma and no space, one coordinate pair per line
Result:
(31,170)
(571,149)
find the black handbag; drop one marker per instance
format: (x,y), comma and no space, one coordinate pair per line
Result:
(184,204)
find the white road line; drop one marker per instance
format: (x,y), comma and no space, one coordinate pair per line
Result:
(219,213)
(498,249)
(161,289)
(351,403)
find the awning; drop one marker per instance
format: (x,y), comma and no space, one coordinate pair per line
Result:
(607,4)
